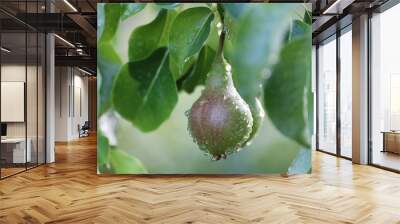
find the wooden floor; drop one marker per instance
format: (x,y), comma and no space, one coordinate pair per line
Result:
(69,191)
(8,171)
(5,172)
(387,159)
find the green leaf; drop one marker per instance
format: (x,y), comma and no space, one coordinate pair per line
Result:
(188,33)
(123,163)
(257,41)
(145,92)
(213,38)
(174,68)
(310,105)
(179,82)
(145,39)
(301,163)
(199,73)
(112,160)
(104,169)
(112,12)
(297,29)
(108,63)
(171,15)
(308,17)
(130,9)
(102,149)
(167,5)
(284,92)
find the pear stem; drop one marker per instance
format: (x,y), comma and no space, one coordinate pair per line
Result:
(221,12)
(217,75)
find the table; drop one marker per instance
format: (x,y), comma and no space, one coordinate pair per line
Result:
(17,150)
(391,141)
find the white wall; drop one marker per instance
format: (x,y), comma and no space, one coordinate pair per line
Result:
(10,73)
(61,103)
(13,100)
(71,102)
(16,73)
(33,126)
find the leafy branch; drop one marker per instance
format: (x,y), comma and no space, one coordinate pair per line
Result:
(174,52)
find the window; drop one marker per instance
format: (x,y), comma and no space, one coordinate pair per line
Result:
(327,96)
(385,89)
(22,77)
(346,92)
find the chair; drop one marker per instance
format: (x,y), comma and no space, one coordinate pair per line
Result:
(84,130)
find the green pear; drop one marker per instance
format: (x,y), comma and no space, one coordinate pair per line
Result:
(220,121)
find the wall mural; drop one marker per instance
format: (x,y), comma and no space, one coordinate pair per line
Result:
(196,88)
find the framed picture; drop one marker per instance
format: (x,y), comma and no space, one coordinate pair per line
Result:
(204,88)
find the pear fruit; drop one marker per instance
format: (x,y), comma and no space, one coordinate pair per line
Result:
(220,121)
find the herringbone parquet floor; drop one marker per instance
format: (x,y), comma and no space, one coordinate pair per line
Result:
(69,191)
